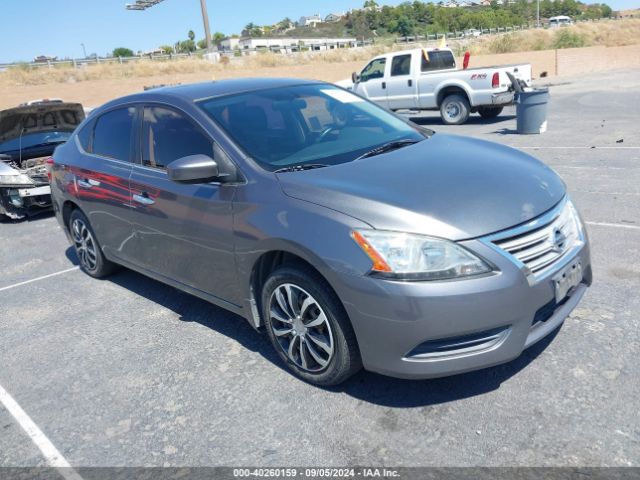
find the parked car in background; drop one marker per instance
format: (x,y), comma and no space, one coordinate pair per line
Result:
(28,136)
(472,32)
(428,79)
(352,236)
(560,21)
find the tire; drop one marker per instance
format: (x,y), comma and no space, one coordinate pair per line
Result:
(455,109)
(489,112)
(87,248)
(320,349)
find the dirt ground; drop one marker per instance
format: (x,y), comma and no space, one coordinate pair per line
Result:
(96,92)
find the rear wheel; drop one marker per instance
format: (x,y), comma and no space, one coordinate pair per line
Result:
(92,261)
(308,326)
(455,109)
(489,112)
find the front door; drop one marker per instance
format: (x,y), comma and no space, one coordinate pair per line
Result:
(183,232)
(372,83)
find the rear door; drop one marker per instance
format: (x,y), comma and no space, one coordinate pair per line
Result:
(101,179)
(183,232)
(433,67)
(373,83)
(401,89)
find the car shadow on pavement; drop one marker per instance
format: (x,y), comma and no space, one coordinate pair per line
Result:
(399,393)
(473,120)
(42,215)
(366,386)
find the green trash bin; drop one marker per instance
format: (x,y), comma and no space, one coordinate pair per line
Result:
(531,111)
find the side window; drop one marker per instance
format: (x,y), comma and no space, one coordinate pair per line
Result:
(167,135)
(401,65)
(84,136)
(375,69)
(438,61)
(113,132)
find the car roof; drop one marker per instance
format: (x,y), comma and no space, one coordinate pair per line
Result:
(198,91)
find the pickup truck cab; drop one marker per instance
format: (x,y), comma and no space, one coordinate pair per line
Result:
(428,79)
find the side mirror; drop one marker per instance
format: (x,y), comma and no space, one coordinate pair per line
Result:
(193,169)
(355,78)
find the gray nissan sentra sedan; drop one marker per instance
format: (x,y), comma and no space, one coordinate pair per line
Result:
(353,237)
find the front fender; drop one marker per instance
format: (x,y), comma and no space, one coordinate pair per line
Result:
(318,235)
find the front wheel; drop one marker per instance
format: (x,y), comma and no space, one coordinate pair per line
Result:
(455,109)
(92,260)
(308,326)
(489,112)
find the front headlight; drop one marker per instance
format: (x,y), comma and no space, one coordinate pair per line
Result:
(407,256)
(18,179)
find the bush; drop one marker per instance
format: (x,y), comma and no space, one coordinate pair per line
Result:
(568,39)
(123,52)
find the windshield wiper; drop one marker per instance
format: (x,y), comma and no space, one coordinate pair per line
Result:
(300,168)
(387,147)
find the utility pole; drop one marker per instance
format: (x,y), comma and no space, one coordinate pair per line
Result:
(538,15)
(205,19)
(144,4)
(84,50)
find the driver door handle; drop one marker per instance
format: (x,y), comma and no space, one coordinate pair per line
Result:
(143,198)
(384,85)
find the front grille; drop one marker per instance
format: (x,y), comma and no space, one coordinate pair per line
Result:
(542,245)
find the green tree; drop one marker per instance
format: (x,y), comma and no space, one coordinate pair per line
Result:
(122,52)
(186,46)
(168,49)
(191,35)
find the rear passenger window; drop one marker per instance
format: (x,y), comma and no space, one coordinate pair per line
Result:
(438,60)
(168,135)
(113,133)
(401,65)
(84,136)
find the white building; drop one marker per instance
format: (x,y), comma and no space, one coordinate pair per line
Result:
(289,44)
(311,21)
(229,43)
(333,17)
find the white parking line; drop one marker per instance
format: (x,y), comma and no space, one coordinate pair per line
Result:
(38,278)
(614,225)
(578,148)
(53,457)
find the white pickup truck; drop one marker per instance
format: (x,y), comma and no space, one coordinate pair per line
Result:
(428,79)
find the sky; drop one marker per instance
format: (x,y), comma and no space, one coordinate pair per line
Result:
(60,27)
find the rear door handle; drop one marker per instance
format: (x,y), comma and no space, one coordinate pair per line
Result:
(88,183)
(143,198)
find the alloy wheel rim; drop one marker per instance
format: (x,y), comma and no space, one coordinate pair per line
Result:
(84,244)
(301,327)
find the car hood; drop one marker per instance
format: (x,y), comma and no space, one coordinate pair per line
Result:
(6,169)
(42,117)
(446,186)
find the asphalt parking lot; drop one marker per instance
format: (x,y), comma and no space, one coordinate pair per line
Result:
(129,372)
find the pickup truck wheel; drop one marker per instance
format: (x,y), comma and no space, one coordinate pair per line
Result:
(489,112)
(92,261)
(455,109)
(308,326)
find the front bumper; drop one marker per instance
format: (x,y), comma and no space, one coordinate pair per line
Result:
(491,319)
(19,202)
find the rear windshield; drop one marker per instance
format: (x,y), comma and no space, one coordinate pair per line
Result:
(292,126)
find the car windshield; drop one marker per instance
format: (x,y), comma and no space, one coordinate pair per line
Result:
(307,124)
(34,139)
